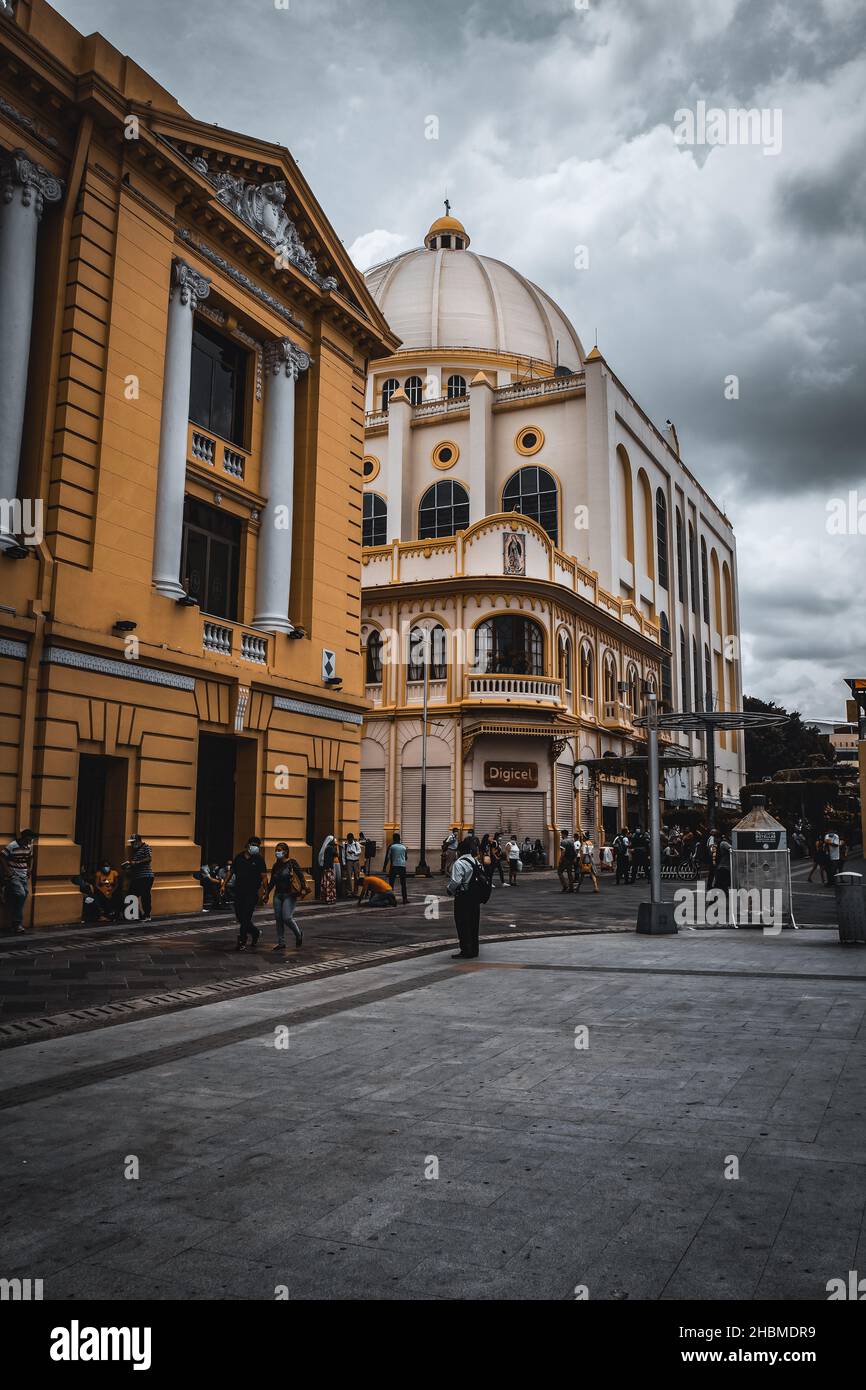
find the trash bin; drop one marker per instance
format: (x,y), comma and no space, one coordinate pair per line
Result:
(850,907)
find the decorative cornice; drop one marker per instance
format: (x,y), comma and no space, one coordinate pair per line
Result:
(317,711)
(123,670)
(7,8)
(20,119)
(9,647)
(38,186)
(240,278)
(192,287)
(284,356)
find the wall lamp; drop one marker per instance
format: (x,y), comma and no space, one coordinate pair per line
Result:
(296,632)
(16,552)
(125,625)
(335,682)
(186,601)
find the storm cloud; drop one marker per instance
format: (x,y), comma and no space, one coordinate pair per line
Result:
(555,129)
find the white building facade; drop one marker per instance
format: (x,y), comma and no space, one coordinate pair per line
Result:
(530,531)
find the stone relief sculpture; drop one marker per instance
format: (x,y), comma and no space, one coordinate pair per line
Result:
(262,207)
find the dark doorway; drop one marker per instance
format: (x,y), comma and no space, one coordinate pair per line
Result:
(609,815)
(215,798)
(321,813)
(100,809)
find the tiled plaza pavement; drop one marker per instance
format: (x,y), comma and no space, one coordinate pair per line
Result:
(59,973)
(311,1166)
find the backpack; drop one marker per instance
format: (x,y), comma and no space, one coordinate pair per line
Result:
(479,886)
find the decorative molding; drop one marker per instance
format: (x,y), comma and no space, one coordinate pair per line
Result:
(191,286)
(263,208)
(243,700)
(284,356)
(240,278)
(8,647)
(317,711)
(123,670)
(258,349)
(19,118)
(38,186)
(7,7)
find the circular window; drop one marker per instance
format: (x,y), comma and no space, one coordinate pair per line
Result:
(371,468)
(530,440)
(445,455)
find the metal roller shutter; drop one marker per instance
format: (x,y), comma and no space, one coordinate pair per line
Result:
(373,805)
(564,796)
(514,813)
(438,808)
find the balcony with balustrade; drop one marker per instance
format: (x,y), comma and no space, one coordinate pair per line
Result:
(234,641)
(545,691)
(219,457)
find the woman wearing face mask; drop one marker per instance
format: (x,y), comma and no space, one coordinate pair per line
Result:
(288,884)
(250,883)
(106,883)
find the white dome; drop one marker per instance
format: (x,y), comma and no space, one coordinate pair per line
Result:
(436,298)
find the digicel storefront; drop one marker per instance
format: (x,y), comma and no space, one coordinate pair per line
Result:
(510,789)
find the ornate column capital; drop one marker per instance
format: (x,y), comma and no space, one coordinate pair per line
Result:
(282,356)
(190,285)
(8,8)
(37,185)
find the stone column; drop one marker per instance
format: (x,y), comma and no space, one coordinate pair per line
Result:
(284,362)
(188,288)
(25,188)
(401,525)
(483,498)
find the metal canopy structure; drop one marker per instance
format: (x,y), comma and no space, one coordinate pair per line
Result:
(709,723)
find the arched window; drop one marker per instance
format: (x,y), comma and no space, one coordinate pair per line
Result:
(684,672)
(390,386)
(414,389)
(565,661)
(509,645)
(708,679)
(696,673)
(609,679)
(693,568)
(533,492)
(662,537)
(374,526)
(633,690)
(374,658)
(667,690)
(426,644)
(587,676)
(705,581)
(444,510)
(456,387)
(681,577)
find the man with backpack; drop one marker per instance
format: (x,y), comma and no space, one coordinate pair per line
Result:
(621,846)
(469,886)
(567,857)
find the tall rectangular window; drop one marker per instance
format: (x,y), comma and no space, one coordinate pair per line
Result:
(210,560)
(217,393)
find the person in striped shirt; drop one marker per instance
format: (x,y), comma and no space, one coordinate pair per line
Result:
(16,869)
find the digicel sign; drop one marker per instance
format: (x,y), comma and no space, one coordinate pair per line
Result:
(524,775)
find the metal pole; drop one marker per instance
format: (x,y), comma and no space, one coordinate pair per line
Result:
(423,869)
(710,749)
(653,796)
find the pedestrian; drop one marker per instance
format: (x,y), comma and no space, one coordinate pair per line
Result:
(512,854)
(621,846)
(724,850)
(710,856)
(450,847)
(378,890)
(470,887)
(352,856)
(249,880)
(818,859)
(527,853)
(567,858)
(139,867)
(211,887)
(327,859)
(832,855)
(586,864)
(288,885)
(90,909)
(496,858)
(639,862)
(106,884)
(395,864)
(370,848)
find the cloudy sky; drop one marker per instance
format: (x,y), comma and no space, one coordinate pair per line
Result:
(556,129)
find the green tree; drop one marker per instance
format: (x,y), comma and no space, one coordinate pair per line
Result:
(792,744)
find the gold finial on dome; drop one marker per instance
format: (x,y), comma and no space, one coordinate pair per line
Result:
(447,233)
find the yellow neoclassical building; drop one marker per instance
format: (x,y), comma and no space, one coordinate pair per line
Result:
(539,551)
(183,358)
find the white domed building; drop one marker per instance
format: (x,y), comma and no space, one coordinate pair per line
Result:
(528,527)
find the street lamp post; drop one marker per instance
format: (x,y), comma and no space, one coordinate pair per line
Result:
(423,868)
(655,918)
